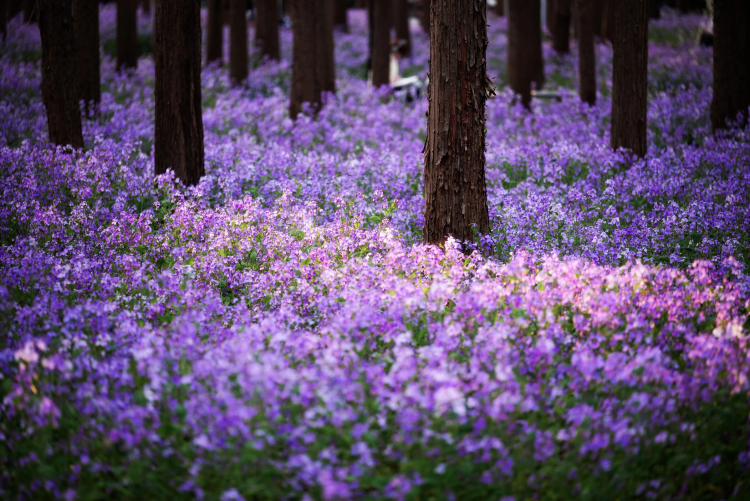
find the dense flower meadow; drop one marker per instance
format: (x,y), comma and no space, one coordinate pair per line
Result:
(279,332)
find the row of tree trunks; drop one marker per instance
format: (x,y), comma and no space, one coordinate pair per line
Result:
(306,84)
(178,138)
(238,60)
(455,190)
(214,33)
(731,64)
(381,42)
(86,24)
(586,53)
(267,28)
(401,20)
(630,76)
(127,34)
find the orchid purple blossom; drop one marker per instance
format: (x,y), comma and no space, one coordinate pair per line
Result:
(279,332)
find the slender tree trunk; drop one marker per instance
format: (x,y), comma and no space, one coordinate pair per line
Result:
(267,25)
(127,34)
(178,138)
(146,4)
(549,16)
(86,27)
(341,20)
(630,77)
(586,54)
(500,8)
(561,35)
(306,84)
(426,16)
(58,72)
(31,11)
(731,62)
(608,20)
(520,51)
(214,33)
(326,65)
(454,182)
(535,39)
(598,11)
(401,9)
(238,57)
(381,42)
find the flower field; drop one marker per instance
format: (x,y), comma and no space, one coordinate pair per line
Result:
(279,331)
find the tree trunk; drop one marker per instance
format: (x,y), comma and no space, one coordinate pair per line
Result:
(549,16)
(326,65)
(238,58)
(127,34)
(561,34)
(654,9)
(520,51)
(586,54)
(306,84)
(86,27)
(146,4)
(500,8)
(214,33)
(426,16)
(178,137)
(607,29)
(31,11)
(630,76)
(58,72)
(341,20)
(381,42)
(535,39)
(401,9)
(454,182)
(267,25)
(731,57)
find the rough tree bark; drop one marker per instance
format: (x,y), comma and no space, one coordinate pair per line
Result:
(31,11)
(214,33)
(426,16)
(267,25)
(86,27)
(341,20)
(454,179)
(127,34)
(561,33)
(178,138)
(401,10)
(520,53)
(381,42)
(586,54)
(58,72)
(731,62)
(306,85)
(535,39)
(629,76)
(238,59)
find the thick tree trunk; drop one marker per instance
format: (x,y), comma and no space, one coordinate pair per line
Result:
(731,62)
(326,65)
(58,72)
(520,51)
(267,25)
(630,76)
(454,182)
(341,20)
(178,138)
(214,33)
(561,34)
(500,8)
(426,16)
(401,9)
(31,11)
(86,24)
(238,57)
(381,42)
(535,39)
(306,84)
(586,54)
(127,34)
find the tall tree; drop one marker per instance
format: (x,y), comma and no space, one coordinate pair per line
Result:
(238,59)
(58,72)
(455,189)
(586,54)
(535,39)
(381,42)
(561,33)
(31,11)
(306,84)
(267,25)
(731,62)
(549,16)
(127,34)
(214,33)
(341,19)
(520,51)
(86,27)
(425,19)
(326,65)
(630,76)
(401,10)
(178,137)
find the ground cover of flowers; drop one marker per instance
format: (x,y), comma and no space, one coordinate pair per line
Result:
(278,332)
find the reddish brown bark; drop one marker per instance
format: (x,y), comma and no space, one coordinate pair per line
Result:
(178,134)
(306,84)
(381,42)
(561,33)
(238,57)
(86,26)
(586,53)
(454,178)
(214,33)
(630,77)
(127,34)
(520,52)
(401,14)
(731,64)
(58,72)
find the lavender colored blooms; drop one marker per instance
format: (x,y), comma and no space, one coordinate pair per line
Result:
(279,332)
